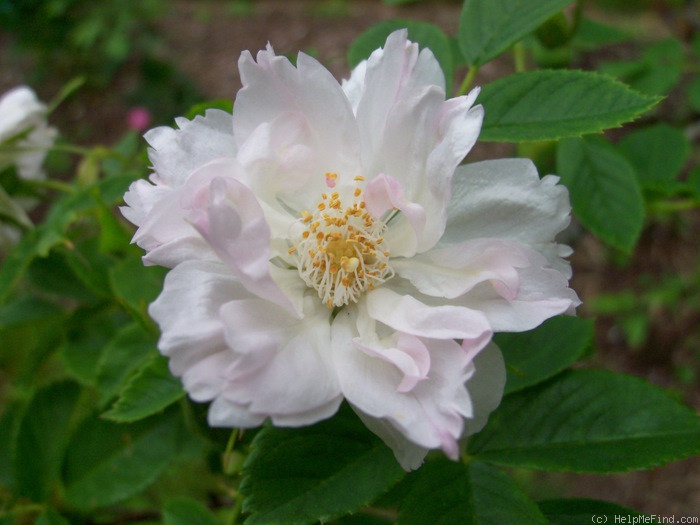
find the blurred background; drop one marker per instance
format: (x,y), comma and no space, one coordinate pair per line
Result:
(145,62)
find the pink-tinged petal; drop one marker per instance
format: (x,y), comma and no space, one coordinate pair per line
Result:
(282,366)
(506,199)
(204,381)
(187,312)
(543,293)
(430,416)
(384,193)
(409,455)
(452,271)
(175,153)
(485,387)
(273,87)
(228,216)
(406,314)
(225,412)
(407,353)
(409,131)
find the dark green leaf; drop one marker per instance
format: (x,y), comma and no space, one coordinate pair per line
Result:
(9,426)
(186,511)
(107,462)
(592,34)
(583,511)
(128,351)
(694,94)
(445,492)
(658,154)
(51,517)
(423,33)
(531,357)
(554,104)
(589,421)
(316,473)
(42,438)
(88,332)
(27,309)
(487,28)
(605,194)
(655,72)
(136,285)
(150,390)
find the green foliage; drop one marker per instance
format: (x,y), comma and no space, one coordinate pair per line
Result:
(316,473)
(444,492)
(541,353)
(550,105)
(487,29)
(605,193)
(583,511)
(588,421)
(95,429)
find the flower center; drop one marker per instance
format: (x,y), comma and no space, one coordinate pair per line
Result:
(341,252)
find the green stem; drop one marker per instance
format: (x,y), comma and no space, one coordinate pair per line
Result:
(468,79)
(673,206)
(50,184)
(520,57)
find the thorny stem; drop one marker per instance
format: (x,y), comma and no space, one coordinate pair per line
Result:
(468,79)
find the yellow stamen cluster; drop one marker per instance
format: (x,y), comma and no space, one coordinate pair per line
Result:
(341,252)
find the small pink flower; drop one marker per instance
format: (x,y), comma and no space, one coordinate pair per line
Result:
(138,118)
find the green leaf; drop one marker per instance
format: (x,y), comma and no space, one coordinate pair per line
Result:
(605,194)
(51,517)
(534,356)
(150,390)
(316,473)
(658,154)
(423,33)
(555,104)
(444,492)
(42,438)
(13,212)
(592,34)
(39,241)
(107,462)
(655,72)
(694,94)
(487,28)
(126,352)
(27,309)
(186,511)
(88,331)
(9,426)
(136,285)
(583,511)
(589,421)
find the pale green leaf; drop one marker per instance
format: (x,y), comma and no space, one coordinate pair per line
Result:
(605,194)
(555,104)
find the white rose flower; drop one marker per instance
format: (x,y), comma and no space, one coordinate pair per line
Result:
(325,245)
(25,136)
